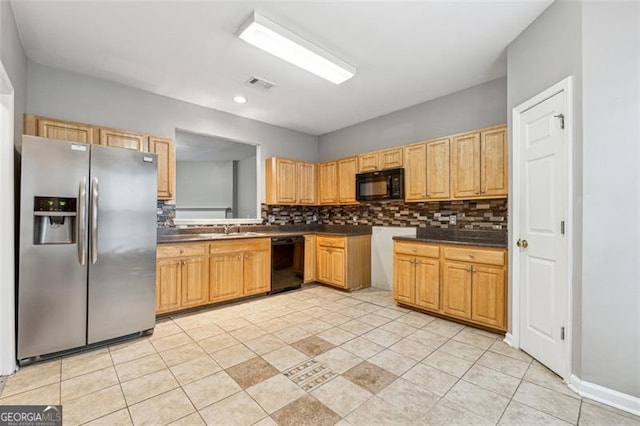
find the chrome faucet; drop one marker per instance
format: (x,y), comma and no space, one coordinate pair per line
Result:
(227,229)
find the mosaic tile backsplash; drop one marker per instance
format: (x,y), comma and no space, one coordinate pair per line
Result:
(476,214)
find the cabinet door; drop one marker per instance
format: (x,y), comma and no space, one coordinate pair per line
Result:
(309,258)
(338,268)
(488,296)
(324,265)
(55,129)
(165,150)
(286,181)
(427,287)
(415,172)
(390,158)
(195,281)
(404,274)
(256,272)
(328,183)
(465,166)
(438,169)
(225,276)
(168,291)
(347,180)
(128,140)
(368,162)
(306,183)
(456,289)
(493,162)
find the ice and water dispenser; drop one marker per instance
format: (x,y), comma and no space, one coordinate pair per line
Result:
(54,220)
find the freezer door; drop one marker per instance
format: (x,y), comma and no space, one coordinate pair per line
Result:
(52,281)
(122,242)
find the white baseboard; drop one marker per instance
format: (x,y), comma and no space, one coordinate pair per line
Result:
(508,339)
(622,401)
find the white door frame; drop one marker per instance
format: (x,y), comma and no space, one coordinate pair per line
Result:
(7,273)
(566,86)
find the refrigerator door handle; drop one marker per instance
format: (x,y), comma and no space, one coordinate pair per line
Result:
(94,220)
(82,221)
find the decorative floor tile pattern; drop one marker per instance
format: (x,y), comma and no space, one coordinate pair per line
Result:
(315,356)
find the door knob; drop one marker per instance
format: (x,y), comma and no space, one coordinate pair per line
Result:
(522,243)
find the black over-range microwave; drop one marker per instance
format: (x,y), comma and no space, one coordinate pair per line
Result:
(380,185)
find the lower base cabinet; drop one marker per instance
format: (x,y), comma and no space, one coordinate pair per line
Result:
(181,271)
(195,274)
(344,261)
(461,282)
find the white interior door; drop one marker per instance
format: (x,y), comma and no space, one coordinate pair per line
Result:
(543,245)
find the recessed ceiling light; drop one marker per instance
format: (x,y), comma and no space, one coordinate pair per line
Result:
(279,41)
(240,99)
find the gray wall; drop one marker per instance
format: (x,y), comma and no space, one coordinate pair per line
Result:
(611,205)
(247,188)
(66,95)
(479,106)
(548,51)
(204,184)
(14,61)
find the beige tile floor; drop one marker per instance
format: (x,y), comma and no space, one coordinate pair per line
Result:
(313,356)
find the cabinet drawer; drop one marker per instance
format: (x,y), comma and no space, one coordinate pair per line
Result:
(416,249)
(239,245)
(181,250)
(338,242)
(473,254)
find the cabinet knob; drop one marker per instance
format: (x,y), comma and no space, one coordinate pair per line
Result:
(414,249)
(477,192)
(181,251)
(471,256)
(469,269)
(424,195)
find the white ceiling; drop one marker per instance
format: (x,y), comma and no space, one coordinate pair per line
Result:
(196,147)
(405,52)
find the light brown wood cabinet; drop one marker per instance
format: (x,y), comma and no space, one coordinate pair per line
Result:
(239,268)
(59,129)
(165,150)
(344,261)
(328,182)
(380,160)
(86,133)
(416,277)
(461,282)
(347,168)
(479,164)
(182,279)
(427,170)
(122,139)
(309,258)
(290,181)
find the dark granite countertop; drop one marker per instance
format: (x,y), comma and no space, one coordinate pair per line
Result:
(459,237)
(216,233)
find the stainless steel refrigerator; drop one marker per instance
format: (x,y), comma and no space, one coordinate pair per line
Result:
(87,245)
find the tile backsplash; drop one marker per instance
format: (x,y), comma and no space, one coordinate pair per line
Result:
(476,214)
(469,214)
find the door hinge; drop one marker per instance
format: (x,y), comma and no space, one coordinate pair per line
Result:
(561,333)
(562,227)
(561,117)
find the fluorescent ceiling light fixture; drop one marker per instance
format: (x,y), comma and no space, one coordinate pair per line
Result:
(240,99)
(272,38)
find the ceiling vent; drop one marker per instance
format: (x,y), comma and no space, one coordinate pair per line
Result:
(260,83)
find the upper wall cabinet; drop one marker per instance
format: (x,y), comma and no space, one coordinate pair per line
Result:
(380,160)
(328,182)
(87,133)
(120,139)
(290,181)
(479,164)
(427,170)
(347,168)
(58,129)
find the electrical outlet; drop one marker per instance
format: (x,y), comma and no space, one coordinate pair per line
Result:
(453,219)
(271,218)
(436,215)
(355,219)
(314,218)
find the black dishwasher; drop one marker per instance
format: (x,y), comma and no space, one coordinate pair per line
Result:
(287,263)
